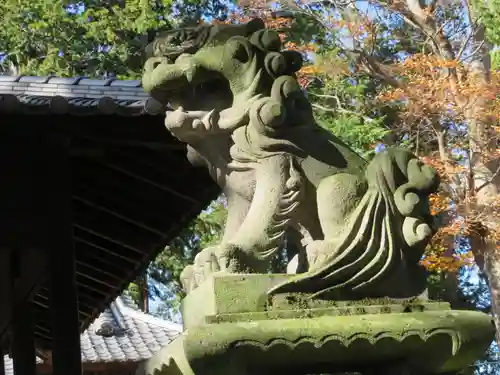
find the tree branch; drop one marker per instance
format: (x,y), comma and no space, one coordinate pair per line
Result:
(342,110)
(490,180)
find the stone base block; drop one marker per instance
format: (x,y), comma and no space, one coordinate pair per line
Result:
(224,294)
(243,298)
(233,328)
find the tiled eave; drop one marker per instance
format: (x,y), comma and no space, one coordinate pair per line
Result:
(78,96)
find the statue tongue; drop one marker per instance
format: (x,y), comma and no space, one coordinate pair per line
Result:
(184,123)
(181,118)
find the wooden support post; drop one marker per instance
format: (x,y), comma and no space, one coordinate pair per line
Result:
(22,323)
(2,362)
(23,339)
(66,353)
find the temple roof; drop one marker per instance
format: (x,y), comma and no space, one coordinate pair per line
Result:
(122,333)
(133,188)
(78,96)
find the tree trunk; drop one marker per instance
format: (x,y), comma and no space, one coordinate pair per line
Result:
(492,270)
(482,141)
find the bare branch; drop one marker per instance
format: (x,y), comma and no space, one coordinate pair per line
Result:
(375,68)
(342,110)
(491,179)
(474,53)
(466,42)
(328,96)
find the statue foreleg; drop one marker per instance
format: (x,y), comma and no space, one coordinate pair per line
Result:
(277,195)
(237,210)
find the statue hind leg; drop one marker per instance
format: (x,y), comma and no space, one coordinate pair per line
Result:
(337,196)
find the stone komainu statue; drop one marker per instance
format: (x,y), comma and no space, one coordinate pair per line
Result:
(361,228)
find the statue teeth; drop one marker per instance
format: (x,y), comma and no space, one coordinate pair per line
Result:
(208,119)
(189,74)
(197,123)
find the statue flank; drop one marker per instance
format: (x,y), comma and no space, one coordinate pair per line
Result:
(361,228)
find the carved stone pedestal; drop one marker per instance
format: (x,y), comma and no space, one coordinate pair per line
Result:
(233,328)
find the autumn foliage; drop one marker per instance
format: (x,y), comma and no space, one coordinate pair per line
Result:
(433,103)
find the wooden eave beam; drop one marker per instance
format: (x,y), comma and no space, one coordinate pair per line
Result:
(81,240)
(93,268)
(154,219)
(120,217)
(94,279)
(151,183)
(97,233)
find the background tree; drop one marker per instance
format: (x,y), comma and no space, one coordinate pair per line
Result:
(92,38)
(164,286)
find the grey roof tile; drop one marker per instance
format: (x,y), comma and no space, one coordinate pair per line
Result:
(96,82)
(35,79)
(78,95)
(10,78)
(65,81)
(138,336)
(127,83)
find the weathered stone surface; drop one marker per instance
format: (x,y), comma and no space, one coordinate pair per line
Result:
(227,294)
(360,227)
(429,342)
(243,297)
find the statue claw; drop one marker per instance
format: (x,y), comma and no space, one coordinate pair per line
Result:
(206,263)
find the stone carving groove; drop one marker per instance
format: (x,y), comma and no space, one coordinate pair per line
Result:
(346,341)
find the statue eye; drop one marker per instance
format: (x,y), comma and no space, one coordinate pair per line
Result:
(238,50)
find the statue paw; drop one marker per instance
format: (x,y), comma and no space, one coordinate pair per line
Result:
(225,258)
(236,259)
(230,258)
(205,264)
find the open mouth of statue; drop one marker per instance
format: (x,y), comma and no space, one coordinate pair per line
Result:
(198,105)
